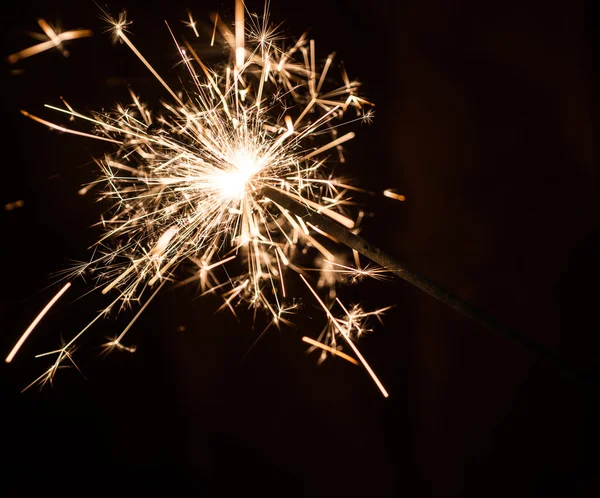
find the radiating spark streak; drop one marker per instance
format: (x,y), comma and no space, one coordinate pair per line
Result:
(344,334)
(104,125)
(225,31)
(324,73)
(114,344)
(47,45)
(67,130)
(356,259)
(341,140)
(129,270)
(303,226)
(350,318)
(49,374)
(161,271)
(330,183)
(124,167)
(356,273)
(232,294)
(51,34)
(138,314)
(192,24)
(329,349)
(212,40)
(321,232)
(206,269)
(126,39)
(240,52)
(393,195)
(37,320)
(313,70)
(282,256)
(64,352)
(48,353)
(163,242)
(278,257)
(343,220)
(210,79)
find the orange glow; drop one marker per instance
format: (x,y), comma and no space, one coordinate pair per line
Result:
(330,350)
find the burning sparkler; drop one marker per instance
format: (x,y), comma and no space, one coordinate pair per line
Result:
(207,181)
(233,171)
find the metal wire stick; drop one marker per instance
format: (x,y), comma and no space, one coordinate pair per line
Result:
(346,237)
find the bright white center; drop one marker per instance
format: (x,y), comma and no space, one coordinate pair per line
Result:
(234,181)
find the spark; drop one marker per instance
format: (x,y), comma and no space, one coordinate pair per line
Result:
(212,40)
(66,353)
(393,195)
(345,332)
(191,23)
(240,51)
(67,130)
(356,274)
(329,349)
(186,182)
(14,205)
(35,322)
(55,40)
(117,341)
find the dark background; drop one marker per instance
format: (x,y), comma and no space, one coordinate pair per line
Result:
(484,120)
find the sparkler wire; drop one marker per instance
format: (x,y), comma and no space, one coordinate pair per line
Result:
(482,318)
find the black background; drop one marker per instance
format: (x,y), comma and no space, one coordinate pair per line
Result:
(484,120)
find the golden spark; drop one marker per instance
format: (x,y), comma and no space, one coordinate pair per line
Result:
(55,40)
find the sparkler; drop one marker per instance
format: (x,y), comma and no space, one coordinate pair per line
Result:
(54,40)
(233,170)
(200,181)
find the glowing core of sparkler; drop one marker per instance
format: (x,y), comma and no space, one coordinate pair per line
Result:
(233,183)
